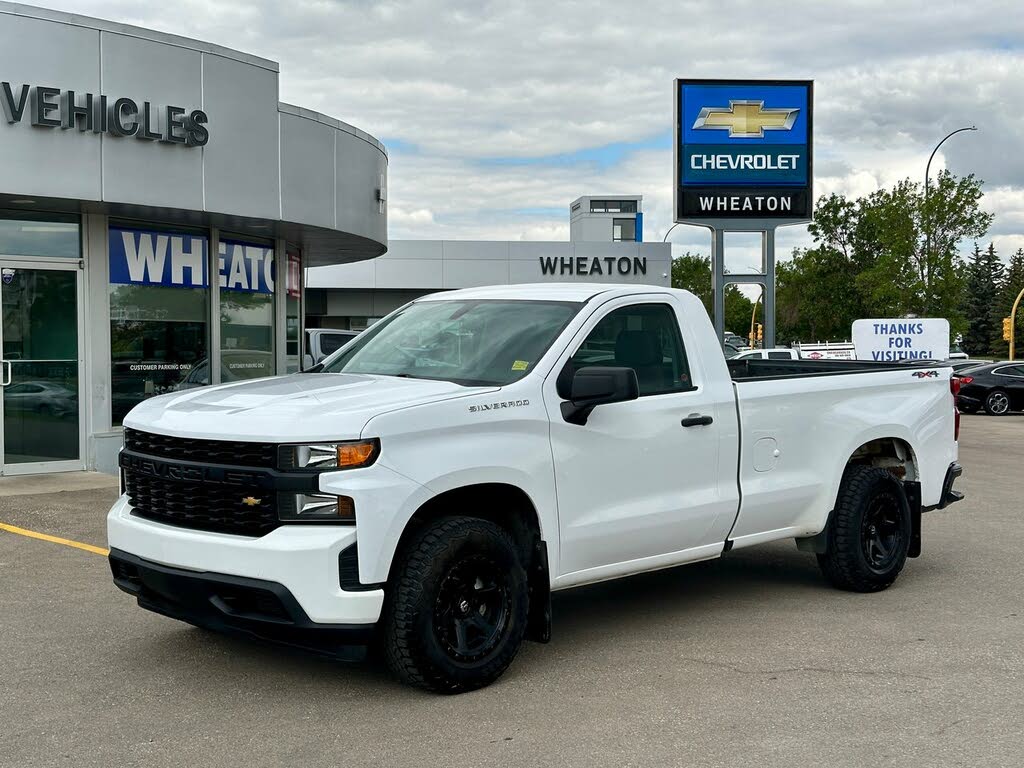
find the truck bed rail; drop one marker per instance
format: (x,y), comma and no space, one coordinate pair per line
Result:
(753,369)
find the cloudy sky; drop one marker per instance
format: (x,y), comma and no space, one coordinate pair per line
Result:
(498,114)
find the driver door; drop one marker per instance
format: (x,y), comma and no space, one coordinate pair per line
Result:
(636,488)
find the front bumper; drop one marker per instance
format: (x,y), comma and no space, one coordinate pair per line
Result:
(235,605)
(303,559)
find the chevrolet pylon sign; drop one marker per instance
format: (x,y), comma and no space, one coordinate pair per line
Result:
(743,149)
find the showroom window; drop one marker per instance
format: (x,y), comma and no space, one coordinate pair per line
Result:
(246,309)
(159,304)
(23,233)
(293,311)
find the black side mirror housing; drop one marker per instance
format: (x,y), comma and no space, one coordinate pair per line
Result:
(598,385)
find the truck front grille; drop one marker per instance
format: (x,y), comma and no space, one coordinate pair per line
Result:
(205,507)
(233,452)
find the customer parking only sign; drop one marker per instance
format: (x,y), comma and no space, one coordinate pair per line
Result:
(903,339)
(743,149)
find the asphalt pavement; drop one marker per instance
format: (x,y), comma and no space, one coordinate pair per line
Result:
(748,660)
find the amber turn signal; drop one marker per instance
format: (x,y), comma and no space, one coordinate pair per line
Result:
(356,454)
(346,509)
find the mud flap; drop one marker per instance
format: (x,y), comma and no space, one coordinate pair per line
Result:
(913,492)
(538,622)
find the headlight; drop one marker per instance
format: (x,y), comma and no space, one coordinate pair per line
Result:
(315,507)
(327,456)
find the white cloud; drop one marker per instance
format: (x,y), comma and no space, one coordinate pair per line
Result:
(462,82)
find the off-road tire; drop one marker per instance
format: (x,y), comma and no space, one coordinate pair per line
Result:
(867,492)
(415,622)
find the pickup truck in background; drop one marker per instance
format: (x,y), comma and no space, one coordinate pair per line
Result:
(778,353)
(323,342)
(431,483)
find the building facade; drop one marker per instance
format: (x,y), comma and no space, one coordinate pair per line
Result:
(352,296)
(158,206)
(619,219)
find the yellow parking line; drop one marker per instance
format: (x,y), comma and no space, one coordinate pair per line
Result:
(53,539)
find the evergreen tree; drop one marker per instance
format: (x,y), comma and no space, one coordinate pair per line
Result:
(979,298)
(994,314)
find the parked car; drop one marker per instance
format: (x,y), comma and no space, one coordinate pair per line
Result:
(730,350)
(962,365)
(996,387)
(736,340)
(478,449)
(779,353)
(322,343)
(44,397)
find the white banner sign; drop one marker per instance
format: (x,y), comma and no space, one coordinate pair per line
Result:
(889,340)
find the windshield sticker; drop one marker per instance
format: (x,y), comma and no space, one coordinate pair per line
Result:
(520,365)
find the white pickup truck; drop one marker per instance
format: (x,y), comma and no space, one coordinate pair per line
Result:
(439,476)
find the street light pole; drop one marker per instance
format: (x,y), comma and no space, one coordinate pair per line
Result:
(927,171)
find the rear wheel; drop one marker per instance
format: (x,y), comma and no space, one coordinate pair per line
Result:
(457,609)
(997,403)
(869,535)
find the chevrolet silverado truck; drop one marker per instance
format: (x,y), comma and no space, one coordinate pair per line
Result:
(427,487)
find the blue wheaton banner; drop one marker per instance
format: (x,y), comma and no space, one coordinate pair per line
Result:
(143,257)
(744,149)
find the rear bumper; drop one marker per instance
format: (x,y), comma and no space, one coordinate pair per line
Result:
(949,496)
(235,605)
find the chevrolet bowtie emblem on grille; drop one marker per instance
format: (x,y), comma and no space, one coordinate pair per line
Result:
(252,501)
(745,119)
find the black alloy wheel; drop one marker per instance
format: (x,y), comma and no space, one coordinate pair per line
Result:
(882,532)
(472,609)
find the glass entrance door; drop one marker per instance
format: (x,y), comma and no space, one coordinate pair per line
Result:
(41,369)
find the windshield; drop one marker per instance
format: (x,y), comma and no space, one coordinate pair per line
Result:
(469,342)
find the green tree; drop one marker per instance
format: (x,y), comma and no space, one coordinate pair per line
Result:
(693,272)
(894,252)
(981,301)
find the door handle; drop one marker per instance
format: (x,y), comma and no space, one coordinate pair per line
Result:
(8,373)
(696,420)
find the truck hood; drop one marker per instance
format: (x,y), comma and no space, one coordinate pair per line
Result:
(320,406)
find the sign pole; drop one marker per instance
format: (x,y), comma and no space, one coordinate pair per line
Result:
(1013,319)
(768,240)
(718,281)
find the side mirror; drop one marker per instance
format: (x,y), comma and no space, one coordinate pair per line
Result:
(598,385)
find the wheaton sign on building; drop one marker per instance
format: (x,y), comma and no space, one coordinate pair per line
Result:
(743,149)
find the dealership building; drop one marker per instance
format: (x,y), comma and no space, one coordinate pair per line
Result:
(158,206)
(605,245)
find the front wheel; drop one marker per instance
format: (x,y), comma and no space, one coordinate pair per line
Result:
(869,535)
(457,609)
(997,403)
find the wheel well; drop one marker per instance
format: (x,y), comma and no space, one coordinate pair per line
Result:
(502,504)
(890,453)
(509,507)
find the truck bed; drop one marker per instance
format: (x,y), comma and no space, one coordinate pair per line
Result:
(753,369)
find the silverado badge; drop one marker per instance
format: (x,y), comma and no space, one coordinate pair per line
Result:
(251,501)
